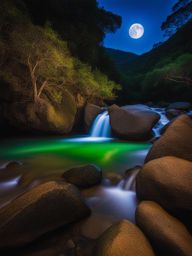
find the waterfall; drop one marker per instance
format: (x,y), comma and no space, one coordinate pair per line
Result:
(162,122)
(101,126)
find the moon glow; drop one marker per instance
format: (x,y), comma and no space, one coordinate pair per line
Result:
(136,31)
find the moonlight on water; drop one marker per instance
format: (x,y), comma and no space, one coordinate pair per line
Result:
(136,31)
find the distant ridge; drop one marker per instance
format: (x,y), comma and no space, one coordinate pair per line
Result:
(178,44)
(121,58)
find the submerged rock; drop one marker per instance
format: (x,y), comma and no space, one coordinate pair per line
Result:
(84,176)
(165,232)
(175,141)
(134,122)
(91,111)
(173,113)
(167,181)
(42,209)
(10,170)
(112,178)
(11,165)
(123,239)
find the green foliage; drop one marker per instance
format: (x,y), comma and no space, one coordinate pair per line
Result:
(82,24)
(34,57)
(162,74)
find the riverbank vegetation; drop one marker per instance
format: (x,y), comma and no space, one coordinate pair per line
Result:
(38,56)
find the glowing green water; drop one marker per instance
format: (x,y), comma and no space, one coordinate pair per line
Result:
(58,153)
(48,159)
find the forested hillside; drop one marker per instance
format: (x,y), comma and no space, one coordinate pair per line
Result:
(47,70)
(121,58)
(164,73)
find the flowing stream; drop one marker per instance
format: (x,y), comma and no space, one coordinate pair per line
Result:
(101,126)
(48,158)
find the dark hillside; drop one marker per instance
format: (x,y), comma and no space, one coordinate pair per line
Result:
(178,44)
(121,57)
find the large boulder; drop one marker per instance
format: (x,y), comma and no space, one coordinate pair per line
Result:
(165,232)
(91,111)
(183,105)
(167,181)
(134,122)
(42,209)
(84,176)
(175,141)
(47,115)
(123,238)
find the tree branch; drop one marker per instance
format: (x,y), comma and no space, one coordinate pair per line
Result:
(42,88)
(180,79)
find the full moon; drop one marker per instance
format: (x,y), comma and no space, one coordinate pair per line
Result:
(136,31)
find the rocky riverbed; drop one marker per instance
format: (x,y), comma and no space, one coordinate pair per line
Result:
(54,216)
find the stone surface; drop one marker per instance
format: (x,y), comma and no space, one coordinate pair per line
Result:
(42,209)
(113,178)
(91,111)
(123,239)
(134,122)
(47,115)
(175,141)
(182,105)
(84,176)
(130,178)
(173,113)
(166,233)
(167,181)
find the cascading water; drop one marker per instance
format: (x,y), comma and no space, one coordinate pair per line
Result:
(162,122)
(101,126)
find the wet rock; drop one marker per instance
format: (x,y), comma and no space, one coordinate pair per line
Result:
(134,122)
(38,211)
(10,170)
(123,238)
(84,176)
(113,178)
(173,113)
(176,140)
(167,181)
(130,178)
(167,234)
(180,105)
(91,111)
(11,165)
(93,226)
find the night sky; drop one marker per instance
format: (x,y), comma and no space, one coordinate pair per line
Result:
(150,13)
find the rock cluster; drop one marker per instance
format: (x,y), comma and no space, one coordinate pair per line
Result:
(164,187)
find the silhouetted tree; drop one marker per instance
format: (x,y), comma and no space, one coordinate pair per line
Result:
(82,23)
(181,13)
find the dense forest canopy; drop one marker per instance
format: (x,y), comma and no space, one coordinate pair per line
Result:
(82,24)
(164,73)
(35,57)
